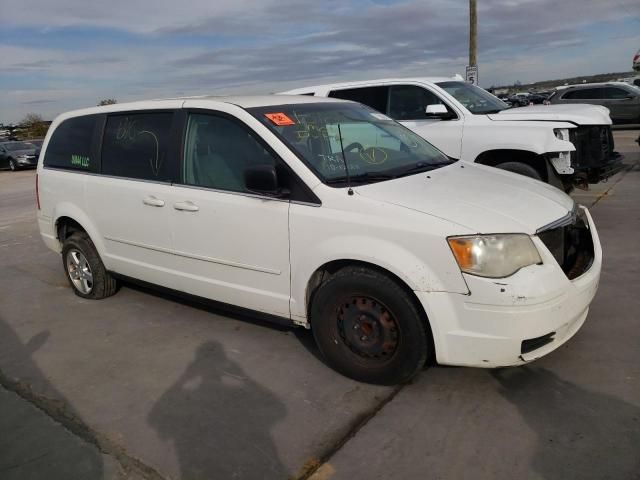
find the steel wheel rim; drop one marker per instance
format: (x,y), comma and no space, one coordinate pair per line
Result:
(368,328)
(79,271)
(12,164)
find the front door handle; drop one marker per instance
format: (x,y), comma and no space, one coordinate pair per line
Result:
(153,201)
(186,206)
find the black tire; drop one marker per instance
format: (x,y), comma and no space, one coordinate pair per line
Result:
(521,168)
(12,165)
(103,284)
(359,300)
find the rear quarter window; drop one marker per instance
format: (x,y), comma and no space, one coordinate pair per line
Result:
(136,146)
(70,146)
(374,97)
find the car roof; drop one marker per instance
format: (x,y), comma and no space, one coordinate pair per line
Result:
(361,83)
(243,101)
(590,85)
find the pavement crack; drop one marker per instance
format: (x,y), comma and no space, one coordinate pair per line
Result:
(60,412)
(624,173)
(312,465)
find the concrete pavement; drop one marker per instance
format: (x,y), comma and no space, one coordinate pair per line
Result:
(144,386)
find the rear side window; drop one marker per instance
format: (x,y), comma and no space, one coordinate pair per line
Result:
(374,97)
(584,94)
(135,146)
(70,145)
(617,93)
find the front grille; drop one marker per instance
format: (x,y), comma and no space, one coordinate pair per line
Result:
(571,245)
(594,146)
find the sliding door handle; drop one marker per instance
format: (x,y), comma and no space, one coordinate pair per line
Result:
(153,201)
(186,206)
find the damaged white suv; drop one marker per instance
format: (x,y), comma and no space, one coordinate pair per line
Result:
(563,145)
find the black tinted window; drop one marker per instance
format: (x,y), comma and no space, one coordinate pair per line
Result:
(409,102)
(616,93)
(584,94)
(374,97)
(217,152)
(135,146)
(70,145)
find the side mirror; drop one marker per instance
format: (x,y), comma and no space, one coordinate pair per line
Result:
(263,179)
(438,111)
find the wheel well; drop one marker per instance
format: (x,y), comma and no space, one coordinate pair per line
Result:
(323,273)
(496,157)
(66,226)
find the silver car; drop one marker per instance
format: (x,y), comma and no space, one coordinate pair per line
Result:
(16,155)
(622,99)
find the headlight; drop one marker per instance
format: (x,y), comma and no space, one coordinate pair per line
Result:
(494,256)
(562,133)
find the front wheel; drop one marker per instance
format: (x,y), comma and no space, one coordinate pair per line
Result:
(13,165)
(368,327)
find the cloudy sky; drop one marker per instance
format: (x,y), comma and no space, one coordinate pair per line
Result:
(56,55)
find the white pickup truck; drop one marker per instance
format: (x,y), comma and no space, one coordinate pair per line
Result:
(563,145)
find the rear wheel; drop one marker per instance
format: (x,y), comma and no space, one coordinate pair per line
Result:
(521,168)
(13,165)
(85,271)
(368,327)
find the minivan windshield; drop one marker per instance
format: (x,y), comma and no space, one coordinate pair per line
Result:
(475,99)
(375,147)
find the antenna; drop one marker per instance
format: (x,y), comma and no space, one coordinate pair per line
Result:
(344,159)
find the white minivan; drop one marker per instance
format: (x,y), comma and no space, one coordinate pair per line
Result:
(324,213)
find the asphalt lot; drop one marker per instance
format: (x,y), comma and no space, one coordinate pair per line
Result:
(148,387)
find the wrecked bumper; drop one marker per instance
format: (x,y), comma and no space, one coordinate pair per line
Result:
(514,320)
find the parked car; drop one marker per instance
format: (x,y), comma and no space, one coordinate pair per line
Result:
(325,214)
(537,98)
(17,155)
(561,145)
(520,100)
(36,143)
(622,99)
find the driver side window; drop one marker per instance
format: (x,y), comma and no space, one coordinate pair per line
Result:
(217,151)
(409,102)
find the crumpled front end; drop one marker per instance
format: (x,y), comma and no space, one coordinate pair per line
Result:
(517,319)
(595,158)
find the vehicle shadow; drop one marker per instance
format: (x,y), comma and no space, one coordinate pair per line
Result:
(32,445)
(581,434)
(219,420)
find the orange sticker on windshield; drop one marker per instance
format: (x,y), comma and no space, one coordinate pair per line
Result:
(279,119)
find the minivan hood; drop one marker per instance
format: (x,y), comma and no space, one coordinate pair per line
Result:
(577,113)
(482,199)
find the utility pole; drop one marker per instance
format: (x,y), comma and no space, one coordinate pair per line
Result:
(472,68)
(473,32)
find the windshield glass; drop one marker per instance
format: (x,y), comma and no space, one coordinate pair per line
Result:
(375,147)
(13,146)
(475,99)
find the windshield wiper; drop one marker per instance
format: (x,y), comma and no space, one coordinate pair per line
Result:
(361,178)
(421,167)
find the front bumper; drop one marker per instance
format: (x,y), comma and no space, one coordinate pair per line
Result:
(28,162)
(538,305)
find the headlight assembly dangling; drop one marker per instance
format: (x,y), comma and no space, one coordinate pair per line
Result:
(494,256)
